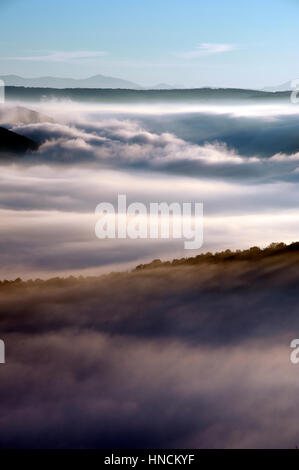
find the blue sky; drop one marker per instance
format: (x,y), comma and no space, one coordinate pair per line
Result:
(189,42)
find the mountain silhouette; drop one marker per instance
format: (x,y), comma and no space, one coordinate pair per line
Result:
(97,81)
(10,142)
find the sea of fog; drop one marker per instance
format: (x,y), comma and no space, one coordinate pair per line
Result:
(180,357)
(240,159)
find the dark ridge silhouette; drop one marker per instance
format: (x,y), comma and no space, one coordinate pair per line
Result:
(285,253)
(10,142)
(252,254)
(109,95)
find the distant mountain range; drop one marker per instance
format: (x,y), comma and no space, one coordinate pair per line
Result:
(97,81)
(103,81)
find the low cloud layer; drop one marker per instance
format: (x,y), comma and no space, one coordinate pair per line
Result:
(198,145)
(185,357)
(87,156)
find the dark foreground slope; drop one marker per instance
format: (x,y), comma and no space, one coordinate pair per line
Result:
(10,142)
(192,355)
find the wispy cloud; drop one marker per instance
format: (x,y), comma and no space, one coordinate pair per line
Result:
(205,49)
(61,56)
